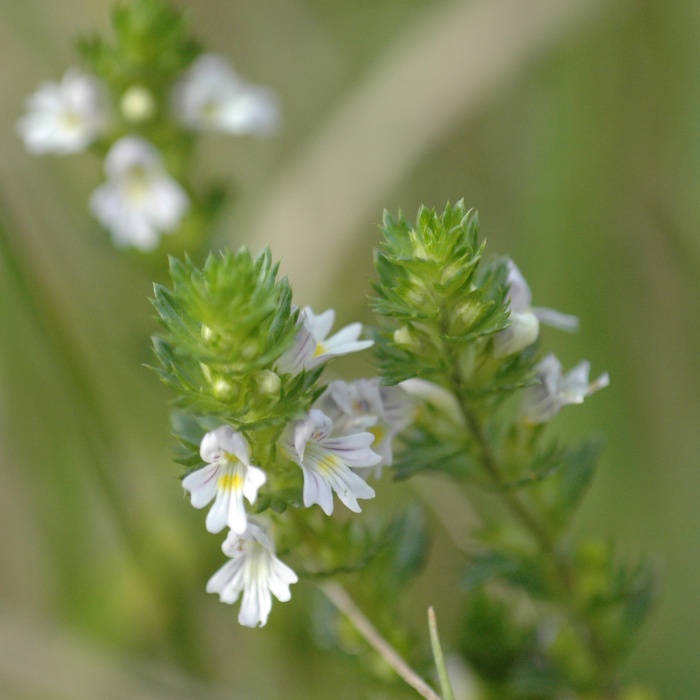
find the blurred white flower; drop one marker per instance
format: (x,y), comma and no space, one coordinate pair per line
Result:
(524,318)
(253,570)
(543,401)
(311,348)
(64,117)
(366,405)
(326,461)
(228,477)
(139,201)
(212,97)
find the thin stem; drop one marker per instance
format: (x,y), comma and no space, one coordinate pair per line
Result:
(445,685)
(549,545)
(340,598)
(512,500)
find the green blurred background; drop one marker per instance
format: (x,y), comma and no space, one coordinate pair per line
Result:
(572,125)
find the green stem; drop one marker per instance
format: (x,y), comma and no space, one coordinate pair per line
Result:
(549,545)
(516,505)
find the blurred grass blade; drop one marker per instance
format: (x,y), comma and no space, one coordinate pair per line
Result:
(445,685)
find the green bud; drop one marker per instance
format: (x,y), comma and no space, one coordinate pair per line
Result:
(467,312)
(402,336)
(570,655)
(230,319)
(429,275)
(224,390)
(268,383)
(594,563)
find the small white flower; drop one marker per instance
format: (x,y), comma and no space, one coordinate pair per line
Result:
(211,97)
(228,477)
(254,570)
(64,117)
(312,348)
(139,201)
(556,390)
(365,404)
(524,318)
(326,460)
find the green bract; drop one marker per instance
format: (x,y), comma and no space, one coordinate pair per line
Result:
(443,303)
(226,326)
(152,46)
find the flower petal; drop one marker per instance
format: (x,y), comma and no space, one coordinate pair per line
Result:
(202,484)
(556,319)
(319,325)
(317,490)
(519,294)
(254,479)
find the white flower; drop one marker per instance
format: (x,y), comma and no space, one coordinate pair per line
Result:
(64,117)
(228,477)
(524,318)
(211,97)
(256,571)
(139,201)
(311,348)
(326,460)
(556,390)
(364,404)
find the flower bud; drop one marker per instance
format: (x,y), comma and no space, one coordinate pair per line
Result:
(465,314)
(268,383)
(224,390)
(402,336)
(522,332)
(137,104)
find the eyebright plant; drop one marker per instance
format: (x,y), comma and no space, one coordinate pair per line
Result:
(255,422)
(141,104)
(464,390)
(545,615)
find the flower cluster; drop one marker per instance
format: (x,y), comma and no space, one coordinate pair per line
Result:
(141,116)
(247,365)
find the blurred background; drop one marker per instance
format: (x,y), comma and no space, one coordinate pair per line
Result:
(573,127)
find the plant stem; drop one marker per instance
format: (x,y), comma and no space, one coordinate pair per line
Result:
(513,501)
(539,530)
(445,685)
(340,598)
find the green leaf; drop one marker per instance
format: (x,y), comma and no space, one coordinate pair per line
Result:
(493,640)
(425,452)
